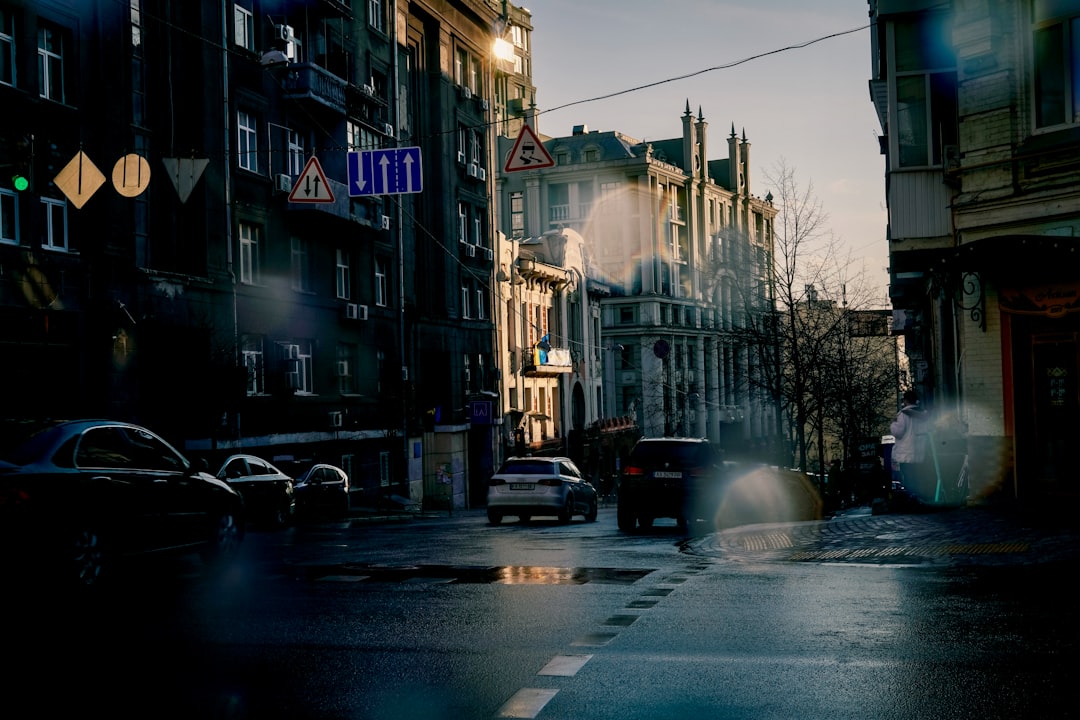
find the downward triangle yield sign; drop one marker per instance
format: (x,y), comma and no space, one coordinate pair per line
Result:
(528,153)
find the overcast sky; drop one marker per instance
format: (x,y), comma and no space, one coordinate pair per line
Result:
(809,107)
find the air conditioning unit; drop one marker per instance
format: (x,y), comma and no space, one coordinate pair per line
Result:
(471,170)
(351,311)
(368,90)
(343,368)
(385,222)
(388,129)
(466,93)
(484,104)
(283,183)
(284,32)
(488,253)
(361,312)
(292,352)
(292,380)
(470,250)
(481,174)
(335,418)
(461,157)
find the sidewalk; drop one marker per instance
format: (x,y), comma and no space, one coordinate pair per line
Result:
(967,535)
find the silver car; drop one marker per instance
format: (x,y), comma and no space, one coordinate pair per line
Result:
(531,486)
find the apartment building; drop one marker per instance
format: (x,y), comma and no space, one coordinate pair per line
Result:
(190,252)
(980,113)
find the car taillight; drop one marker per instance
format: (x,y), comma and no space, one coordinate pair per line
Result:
(13,497)
(496,481)
(633,470)
(550,482)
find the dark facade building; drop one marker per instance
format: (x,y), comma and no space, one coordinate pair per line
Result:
(979,105)
(189,252)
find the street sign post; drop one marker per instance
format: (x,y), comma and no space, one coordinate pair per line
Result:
(391,171)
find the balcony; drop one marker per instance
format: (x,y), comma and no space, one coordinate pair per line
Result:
(308,81)
(548,363)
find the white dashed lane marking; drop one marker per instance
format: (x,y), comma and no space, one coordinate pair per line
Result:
(565,665)
(526,703)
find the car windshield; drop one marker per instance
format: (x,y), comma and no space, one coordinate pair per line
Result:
(527,467)
(681,453)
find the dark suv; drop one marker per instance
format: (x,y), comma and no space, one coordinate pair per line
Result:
(670,477)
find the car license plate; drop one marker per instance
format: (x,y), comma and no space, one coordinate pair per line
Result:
(521,486)
(667,474)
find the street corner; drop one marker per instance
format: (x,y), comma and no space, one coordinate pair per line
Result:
(950,537)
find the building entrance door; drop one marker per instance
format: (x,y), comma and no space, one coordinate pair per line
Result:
(1055,411)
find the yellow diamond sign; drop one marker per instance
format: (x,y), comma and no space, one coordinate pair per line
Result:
(79,179)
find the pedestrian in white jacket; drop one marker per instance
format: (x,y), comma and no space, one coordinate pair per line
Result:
(909,430)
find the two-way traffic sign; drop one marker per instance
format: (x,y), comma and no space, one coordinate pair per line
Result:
(311,186)
(391,171)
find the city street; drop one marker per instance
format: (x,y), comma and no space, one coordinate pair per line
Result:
(450,617)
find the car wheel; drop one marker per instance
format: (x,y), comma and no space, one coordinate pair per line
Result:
(525,518)
(494,516)
(567,511)
(225,539)
(87,558)
(593,511)
(627,519)
(645,522)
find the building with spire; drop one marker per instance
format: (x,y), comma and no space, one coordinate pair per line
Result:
(683,251)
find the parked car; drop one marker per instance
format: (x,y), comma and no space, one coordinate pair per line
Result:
(670,477)
(269,494)
(532,486)
(77,496)
(322,488)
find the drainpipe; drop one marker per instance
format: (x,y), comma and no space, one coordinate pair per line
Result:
(226,24)
(394,99)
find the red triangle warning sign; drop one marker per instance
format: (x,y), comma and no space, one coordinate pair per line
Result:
(311,186)
(528,153)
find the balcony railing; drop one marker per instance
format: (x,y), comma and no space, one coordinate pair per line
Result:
(308,81)
(548,363)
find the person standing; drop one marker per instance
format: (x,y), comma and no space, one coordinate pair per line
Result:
(909,450)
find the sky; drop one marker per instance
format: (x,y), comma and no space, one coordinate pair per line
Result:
(807,107)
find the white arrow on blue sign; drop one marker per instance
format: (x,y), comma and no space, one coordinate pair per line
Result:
(392,171)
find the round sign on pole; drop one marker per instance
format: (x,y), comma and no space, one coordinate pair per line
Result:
(131,175)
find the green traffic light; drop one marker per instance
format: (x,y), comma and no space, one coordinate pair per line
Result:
(21,182)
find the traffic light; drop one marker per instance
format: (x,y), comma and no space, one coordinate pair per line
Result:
(22,177)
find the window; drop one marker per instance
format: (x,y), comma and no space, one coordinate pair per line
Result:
(9,217)
(294,154)
(247,142)
(303,366)
(517,214)
(249,254)
(380,282)
(925,90)
(474,147)
(346,368)
(463,222)
(461,65)
(466,300)
(243,28)
(51,62)
(474,75)
(468,375)
(478,227)
(54,224)
(251,351)
(300,264)
(376,15)
(7,47)
(1056,46)
(481,302)
(359,137)
(343,275)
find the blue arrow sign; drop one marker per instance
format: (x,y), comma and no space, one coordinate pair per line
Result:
(393,171)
